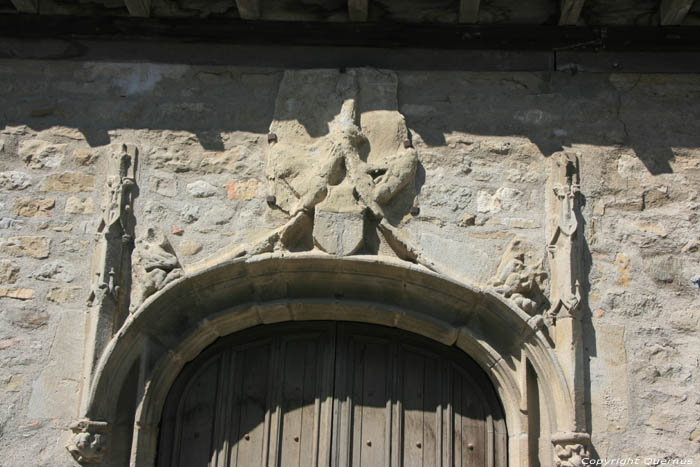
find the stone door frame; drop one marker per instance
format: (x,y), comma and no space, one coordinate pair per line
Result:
(173,326)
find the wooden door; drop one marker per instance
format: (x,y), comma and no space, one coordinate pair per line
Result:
(402,400)
(257,398)
(331,395)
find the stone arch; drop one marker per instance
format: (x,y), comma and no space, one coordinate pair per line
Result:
(175,325)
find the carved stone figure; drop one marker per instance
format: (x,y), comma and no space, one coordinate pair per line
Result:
(563,246)
(519,277)
(565,254)
(155,265)
(349,173)
(89,444)
(111,261)
(116,228)
(570,449)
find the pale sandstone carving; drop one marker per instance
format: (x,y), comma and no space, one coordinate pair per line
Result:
(89,445)
(116,227)
(111,262)
(563,246)
(570,449)
(565,253)
(348,179)
(520,278)
(154,264)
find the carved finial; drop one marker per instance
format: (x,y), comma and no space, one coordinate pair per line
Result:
(563,249)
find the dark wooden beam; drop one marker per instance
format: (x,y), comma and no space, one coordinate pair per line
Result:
(426,36)
(673,12)
(570,12)
(469,11)
(26,6)
(249,9)
(628,62)
(358,10)
(140,8)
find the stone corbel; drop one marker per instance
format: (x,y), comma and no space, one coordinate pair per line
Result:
(571,449)
(89,444)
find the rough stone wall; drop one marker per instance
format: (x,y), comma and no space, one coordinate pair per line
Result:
(484,142)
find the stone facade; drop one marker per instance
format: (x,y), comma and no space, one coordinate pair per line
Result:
(479,177)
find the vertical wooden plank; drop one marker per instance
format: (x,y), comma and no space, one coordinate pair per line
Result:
(390,398)
(222,428)
(234,415)
(343,426)
(375,409)
(447,417)
(359,443)
(324,397)
(396,425)
(432,389)
(310,408)
(197,417)
(473,426)
(272,413)
(291,404)
(457,419)
(412,388)
(273,417)
(253,405)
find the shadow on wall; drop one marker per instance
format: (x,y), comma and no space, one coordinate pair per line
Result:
(98,98)
(553,109)
(557,110)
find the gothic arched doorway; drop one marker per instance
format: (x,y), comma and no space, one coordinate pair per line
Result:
(331,394)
